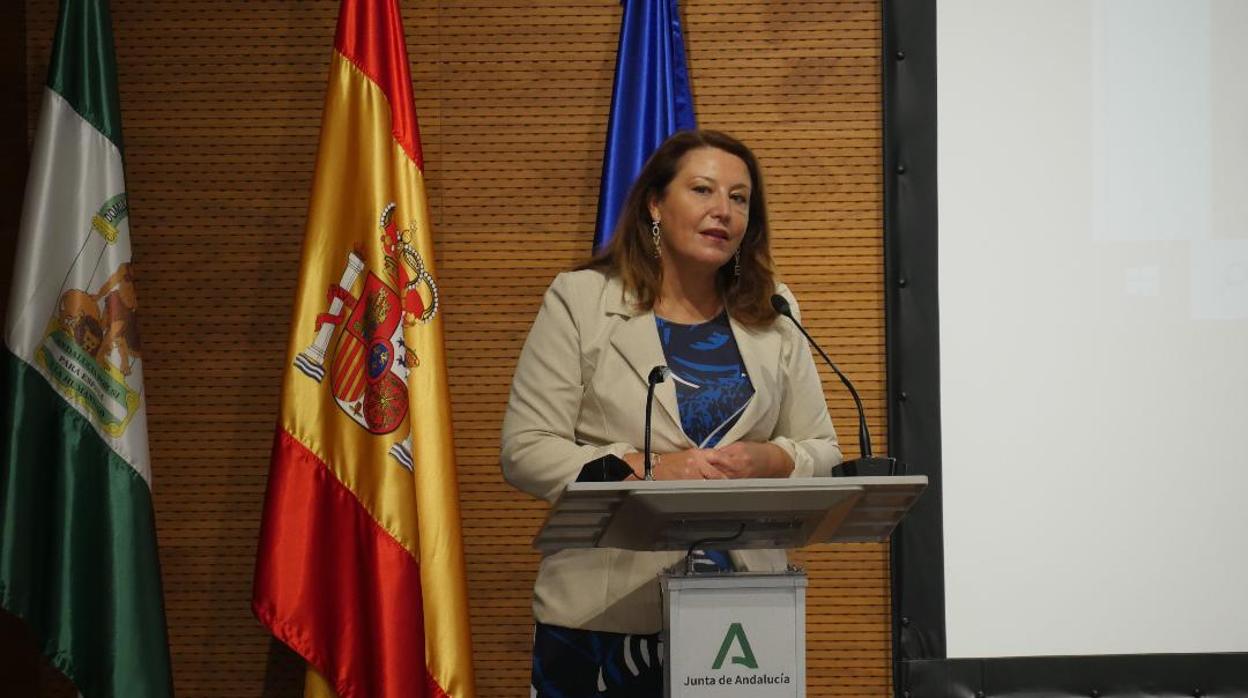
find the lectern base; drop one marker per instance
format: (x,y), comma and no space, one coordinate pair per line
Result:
(734,635)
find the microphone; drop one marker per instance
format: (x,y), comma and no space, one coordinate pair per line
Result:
(658,374)
(867,458)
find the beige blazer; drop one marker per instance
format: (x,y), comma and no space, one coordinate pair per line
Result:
(579,393)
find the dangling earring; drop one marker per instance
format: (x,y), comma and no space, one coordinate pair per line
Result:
(736,266)
(654,235)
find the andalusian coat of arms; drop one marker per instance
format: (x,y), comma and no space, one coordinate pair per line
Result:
(91,345)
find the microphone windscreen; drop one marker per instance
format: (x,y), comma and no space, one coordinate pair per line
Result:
(658,374)
(781,305)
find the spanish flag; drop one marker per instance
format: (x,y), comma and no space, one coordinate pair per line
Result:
(360,566)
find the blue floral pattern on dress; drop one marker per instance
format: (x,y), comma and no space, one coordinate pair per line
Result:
(712,386)
(573,663)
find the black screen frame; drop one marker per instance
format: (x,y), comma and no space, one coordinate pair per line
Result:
(912,343)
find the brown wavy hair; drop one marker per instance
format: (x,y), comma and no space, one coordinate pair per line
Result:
(630,254)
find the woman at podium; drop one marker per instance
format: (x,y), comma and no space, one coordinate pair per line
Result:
(686,282)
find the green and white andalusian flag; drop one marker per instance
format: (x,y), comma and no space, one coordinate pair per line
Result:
(78,555)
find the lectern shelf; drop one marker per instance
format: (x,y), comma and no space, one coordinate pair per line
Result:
(778,513)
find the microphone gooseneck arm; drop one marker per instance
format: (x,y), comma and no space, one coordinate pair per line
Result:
(864,436)
(658,374)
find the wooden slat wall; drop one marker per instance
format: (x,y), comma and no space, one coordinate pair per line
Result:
(18,662)
(221,109)
(12,138)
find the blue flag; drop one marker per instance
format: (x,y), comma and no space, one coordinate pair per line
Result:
(651,101)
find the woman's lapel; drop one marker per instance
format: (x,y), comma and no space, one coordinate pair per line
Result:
(637,340)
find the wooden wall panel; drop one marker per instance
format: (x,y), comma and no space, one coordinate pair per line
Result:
(221,110)
(19,662)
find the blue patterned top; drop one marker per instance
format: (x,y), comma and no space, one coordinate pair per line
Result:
(712,386)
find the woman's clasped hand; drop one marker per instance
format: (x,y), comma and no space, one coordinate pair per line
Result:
(735,461)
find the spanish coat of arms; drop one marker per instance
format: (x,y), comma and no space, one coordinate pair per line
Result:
(370,363)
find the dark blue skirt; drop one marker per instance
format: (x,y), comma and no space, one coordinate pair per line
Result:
(573,663)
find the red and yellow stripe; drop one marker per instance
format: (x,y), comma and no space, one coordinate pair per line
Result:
(360,567)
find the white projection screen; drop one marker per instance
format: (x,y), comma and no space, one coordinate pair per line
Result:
(1093,227)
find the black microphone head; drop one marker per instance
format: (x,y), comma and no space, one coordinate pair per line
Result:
(781,304)
(658,374)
